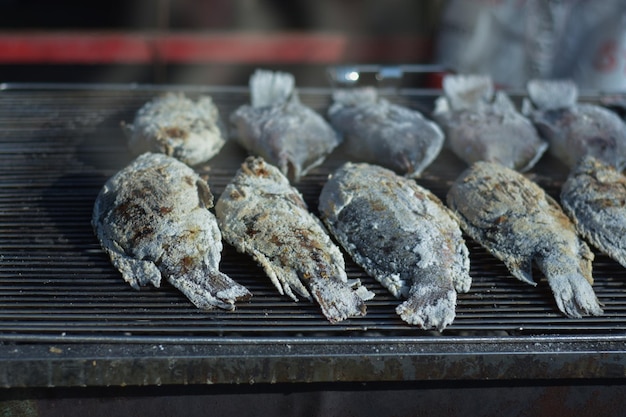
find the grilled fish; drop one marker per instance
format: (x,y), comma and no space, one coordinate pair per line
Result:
(153,220)
(575,129)
(262,215)
(594,196)
(403,236)
(175,125)
(384,133)
(518,223)
(280,129)
(481,125)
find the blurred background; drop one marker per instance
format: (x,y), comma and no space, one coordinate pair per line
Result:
(206,41)
(222,41)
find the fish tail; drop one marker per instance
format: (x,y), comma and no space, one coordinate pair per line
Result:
(429,306)
(338,299)
(552,94)
(570,283)
(268,87)
(210,289)
(574,295)
(468,91)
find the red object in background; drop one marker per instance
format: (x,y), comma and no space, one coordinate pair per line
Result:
(249,48)
(435,80)
(244,48)
(62,48)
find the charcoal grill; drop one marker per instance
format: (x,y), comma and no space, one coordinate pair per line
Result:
(68,319)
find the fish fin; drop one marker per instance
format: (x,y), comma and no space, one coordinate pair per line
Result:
(503,102)
(468,91)
(137,273)
(462,282)
(442,107)
(394,283)
(286,281)
(292,168)
(540,150)
(574,295)
(520,268)
(461,279)
(337,299)
(429,306)
(527,107)
(210,289)
(586,257)
(608,240)
(268,88)
(205,197)
(360,290)
(552,94)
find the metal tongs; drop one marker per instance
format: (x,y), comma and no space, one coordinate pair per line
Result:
(384,75)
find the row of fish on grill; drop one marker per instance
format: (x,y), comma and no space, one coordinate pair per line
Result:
(153,217)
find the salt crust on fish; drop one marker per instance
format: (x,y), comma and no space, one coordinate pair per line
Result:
(403,236)
(153,220)
(594,196)
(518,223)
(280,129)
(262,215)
(482,124)
(175,125)
(377,131)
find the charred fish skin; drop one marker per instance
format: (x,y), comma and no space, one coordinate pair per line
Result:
(279,128)
(594,196)
(403,236)
(573,129)
(152,218)
(518,223)
(377,131)
(175,125)
(483,125)
(262,215)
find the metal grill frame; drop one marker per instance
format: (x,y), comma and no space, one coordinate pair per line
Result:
(59,143)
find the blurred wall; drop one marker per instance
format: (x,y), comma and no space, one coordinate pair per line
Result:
(393,31)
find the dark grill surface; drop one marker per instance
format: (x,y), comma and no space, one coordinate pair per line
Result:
(59,144)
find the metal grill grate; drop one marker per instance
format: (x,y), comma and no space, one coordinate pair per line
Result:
(59,145)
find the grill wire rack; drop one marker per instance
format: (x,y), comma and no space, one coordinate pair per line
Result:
(68,319)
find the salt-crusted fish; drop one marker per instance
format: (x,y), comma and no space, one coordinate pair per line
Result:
(279,128)
(518,223)
(481,125)
(575,129)
(153,220)
(377,131)
(175,125)
(594,196)
(262,215)
(403,236)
